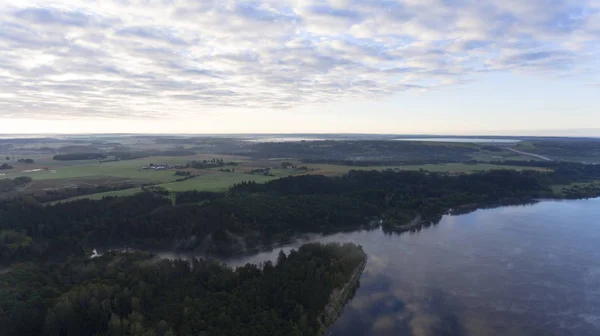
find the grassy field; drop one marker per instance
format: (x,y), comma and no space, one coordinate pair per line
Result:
(505,155)
(217,181)
(124,192)
(214,181)
(325,169)
(96,173)
(128,169)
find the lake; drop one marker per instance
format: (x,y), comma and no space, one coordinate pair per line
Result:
(285,139)
(516,270)
(463,140)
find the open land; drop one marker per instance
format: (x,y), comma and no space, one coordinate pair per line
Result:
(252,161)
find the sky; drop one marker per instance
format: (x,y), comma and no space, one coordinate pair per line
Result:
(300,66)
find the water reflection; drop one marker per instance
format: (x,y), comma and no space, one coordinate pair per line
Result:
(517,270)
(514,270)
(524,270)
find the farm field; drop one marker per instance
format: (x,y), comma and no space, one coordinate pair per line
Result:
(213,181)
(213,171)
(128,169)
(124,192)
(217,181)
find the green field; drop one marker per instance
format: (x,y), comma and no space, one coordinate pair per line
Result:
(326,169)
(124,192)
(208,179)
(127,169)
(218,181)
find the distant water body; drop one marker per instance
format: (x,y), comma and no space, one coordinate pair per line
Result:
(25,136)
(516,270)
(465,140)
(285,139)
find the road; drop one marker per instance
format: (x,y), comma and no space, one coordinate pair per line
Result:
(530,154)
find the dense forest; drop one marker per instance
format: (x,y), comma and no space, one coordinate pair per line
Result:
(362,152)
(252,216)
(136,294)
(49,286)
(79,156)
(137,154)
(122,154)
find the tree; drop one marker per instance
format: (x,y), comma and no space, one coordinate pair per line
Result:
(281,257)
(115,326)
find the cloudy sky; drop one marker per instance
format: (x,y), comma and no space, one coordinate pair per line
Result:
(370,66)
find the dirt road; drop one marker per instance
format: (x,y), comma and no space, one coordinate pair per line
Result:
(531,154)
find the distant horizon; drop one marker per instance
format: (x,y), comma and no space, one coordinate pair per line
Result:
(418,135)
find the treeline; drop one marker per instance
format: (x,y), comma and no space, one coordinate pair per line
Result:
(133,294)
(562,172)
(131,155)
(409,192)
(383,162)
(122,155)
(226,225)
(65,229)
(417,184)
(5,166)
(252,216)
(7,184)
(79,156)
(212,163)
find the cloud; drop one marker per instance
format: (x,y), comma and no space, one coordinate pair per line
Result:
(152,33)
(153,58)
(53,16)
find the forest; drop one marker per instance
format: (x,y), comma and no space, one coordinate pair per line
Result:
(50,286)
(121,154)
(79,156)
(252,216)
(361,153)
(137,294)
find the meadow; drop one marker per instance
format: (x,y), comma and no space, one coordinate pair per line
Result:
(215,180)
(49,174)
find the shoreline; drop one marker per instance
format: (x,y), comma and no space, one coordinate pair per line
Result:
(339,298)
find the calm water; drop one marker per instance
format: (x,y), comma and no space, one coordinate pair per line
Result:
(519,270)
(284,139)
(467,140)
